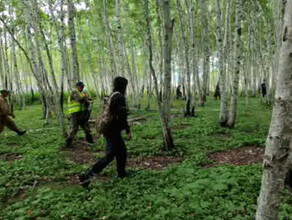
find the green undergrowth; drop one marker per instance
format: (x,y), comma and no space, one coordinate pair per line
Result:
(36,185)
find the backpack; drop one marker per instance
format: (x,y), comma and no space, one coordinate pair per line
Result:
(105,117)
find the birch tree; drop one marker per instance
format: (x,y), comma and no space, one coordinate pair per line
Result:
(278,154)
(75,63)
(164,104)
(206,49)
(110,45)
(222,72)
(235,76)
(185,47)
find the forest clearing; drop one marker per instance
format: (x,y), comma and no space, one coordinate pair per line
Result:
(40,179)
(153,109)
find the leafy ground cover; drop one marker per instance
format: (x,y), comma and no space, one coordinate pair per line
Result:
(38,180)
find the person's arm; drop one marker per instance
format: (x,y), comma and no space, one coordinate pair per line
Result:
(78,97)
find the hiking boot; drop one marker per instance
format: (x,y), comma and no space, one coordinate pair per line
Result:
(84,180)
(20,133)
(89,139)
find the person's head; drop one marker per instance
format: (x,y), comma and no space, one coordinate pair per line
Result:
(120,84)
(4,93)
(80,86)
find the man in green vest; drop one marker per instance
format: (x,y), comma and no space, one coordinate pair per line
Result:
(78,103)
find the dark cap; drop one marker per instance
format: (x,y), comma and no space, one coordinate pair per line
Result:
(80,84)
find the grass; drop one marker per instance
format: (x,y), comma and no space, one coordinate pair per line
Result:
(36,186)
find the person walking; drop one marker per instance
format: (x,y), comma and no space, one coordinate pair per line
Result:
(6,114)
(78,103)
(116,147)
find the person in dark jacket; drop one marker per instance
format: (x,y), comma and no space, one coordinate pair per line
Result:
(116,147)
(264,88)
(178,92)
(217,92)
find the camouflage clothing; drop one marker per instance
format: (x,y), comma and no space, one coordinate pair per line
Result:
(76,120)
(79,118)
(4,107)
(6,116)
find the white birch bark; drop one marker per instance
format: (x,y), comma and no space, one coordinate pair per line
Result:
(168,24)
(1,62)
(185,47)
(222,73)
(237,66)
(159,48)
(206,49)
(64,64)
(162,105)
(193,55)
(110,45)
(71,25)
(277,159)
(6,62)
(121,69)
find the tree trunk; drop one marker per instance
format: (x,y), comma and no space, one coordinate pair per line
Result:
(121,69)
(2,68)
(71,25)
(194,62)
(206,49)
(168,31)
(222,73)
(235,78)
(111,49)
(185,47)
(162,105)
(64,64)
(277,160)
(159,48)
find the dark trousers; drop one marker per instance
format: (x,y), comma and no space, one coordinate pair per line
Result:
(77,119)
(116,148)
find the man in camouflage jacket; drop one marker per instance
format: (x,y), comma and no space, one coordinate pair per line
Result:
(78,104)
(6,114)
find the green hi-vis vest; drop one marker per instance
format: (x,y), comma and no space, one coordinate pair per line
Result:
(75,106)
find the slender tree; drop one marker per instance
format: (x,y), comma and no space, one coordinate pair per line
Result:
(71,18)
(278,154)
(235,76)
(164,105)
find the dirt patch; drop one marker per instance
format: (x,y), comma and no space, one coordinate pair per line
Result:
(179,127)
(82,157)
(11,156)
(80,154)
(226,135)
(153,163)
(241,156)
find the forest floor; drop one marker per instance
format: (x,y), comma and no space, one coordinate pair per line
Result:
(213,173)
